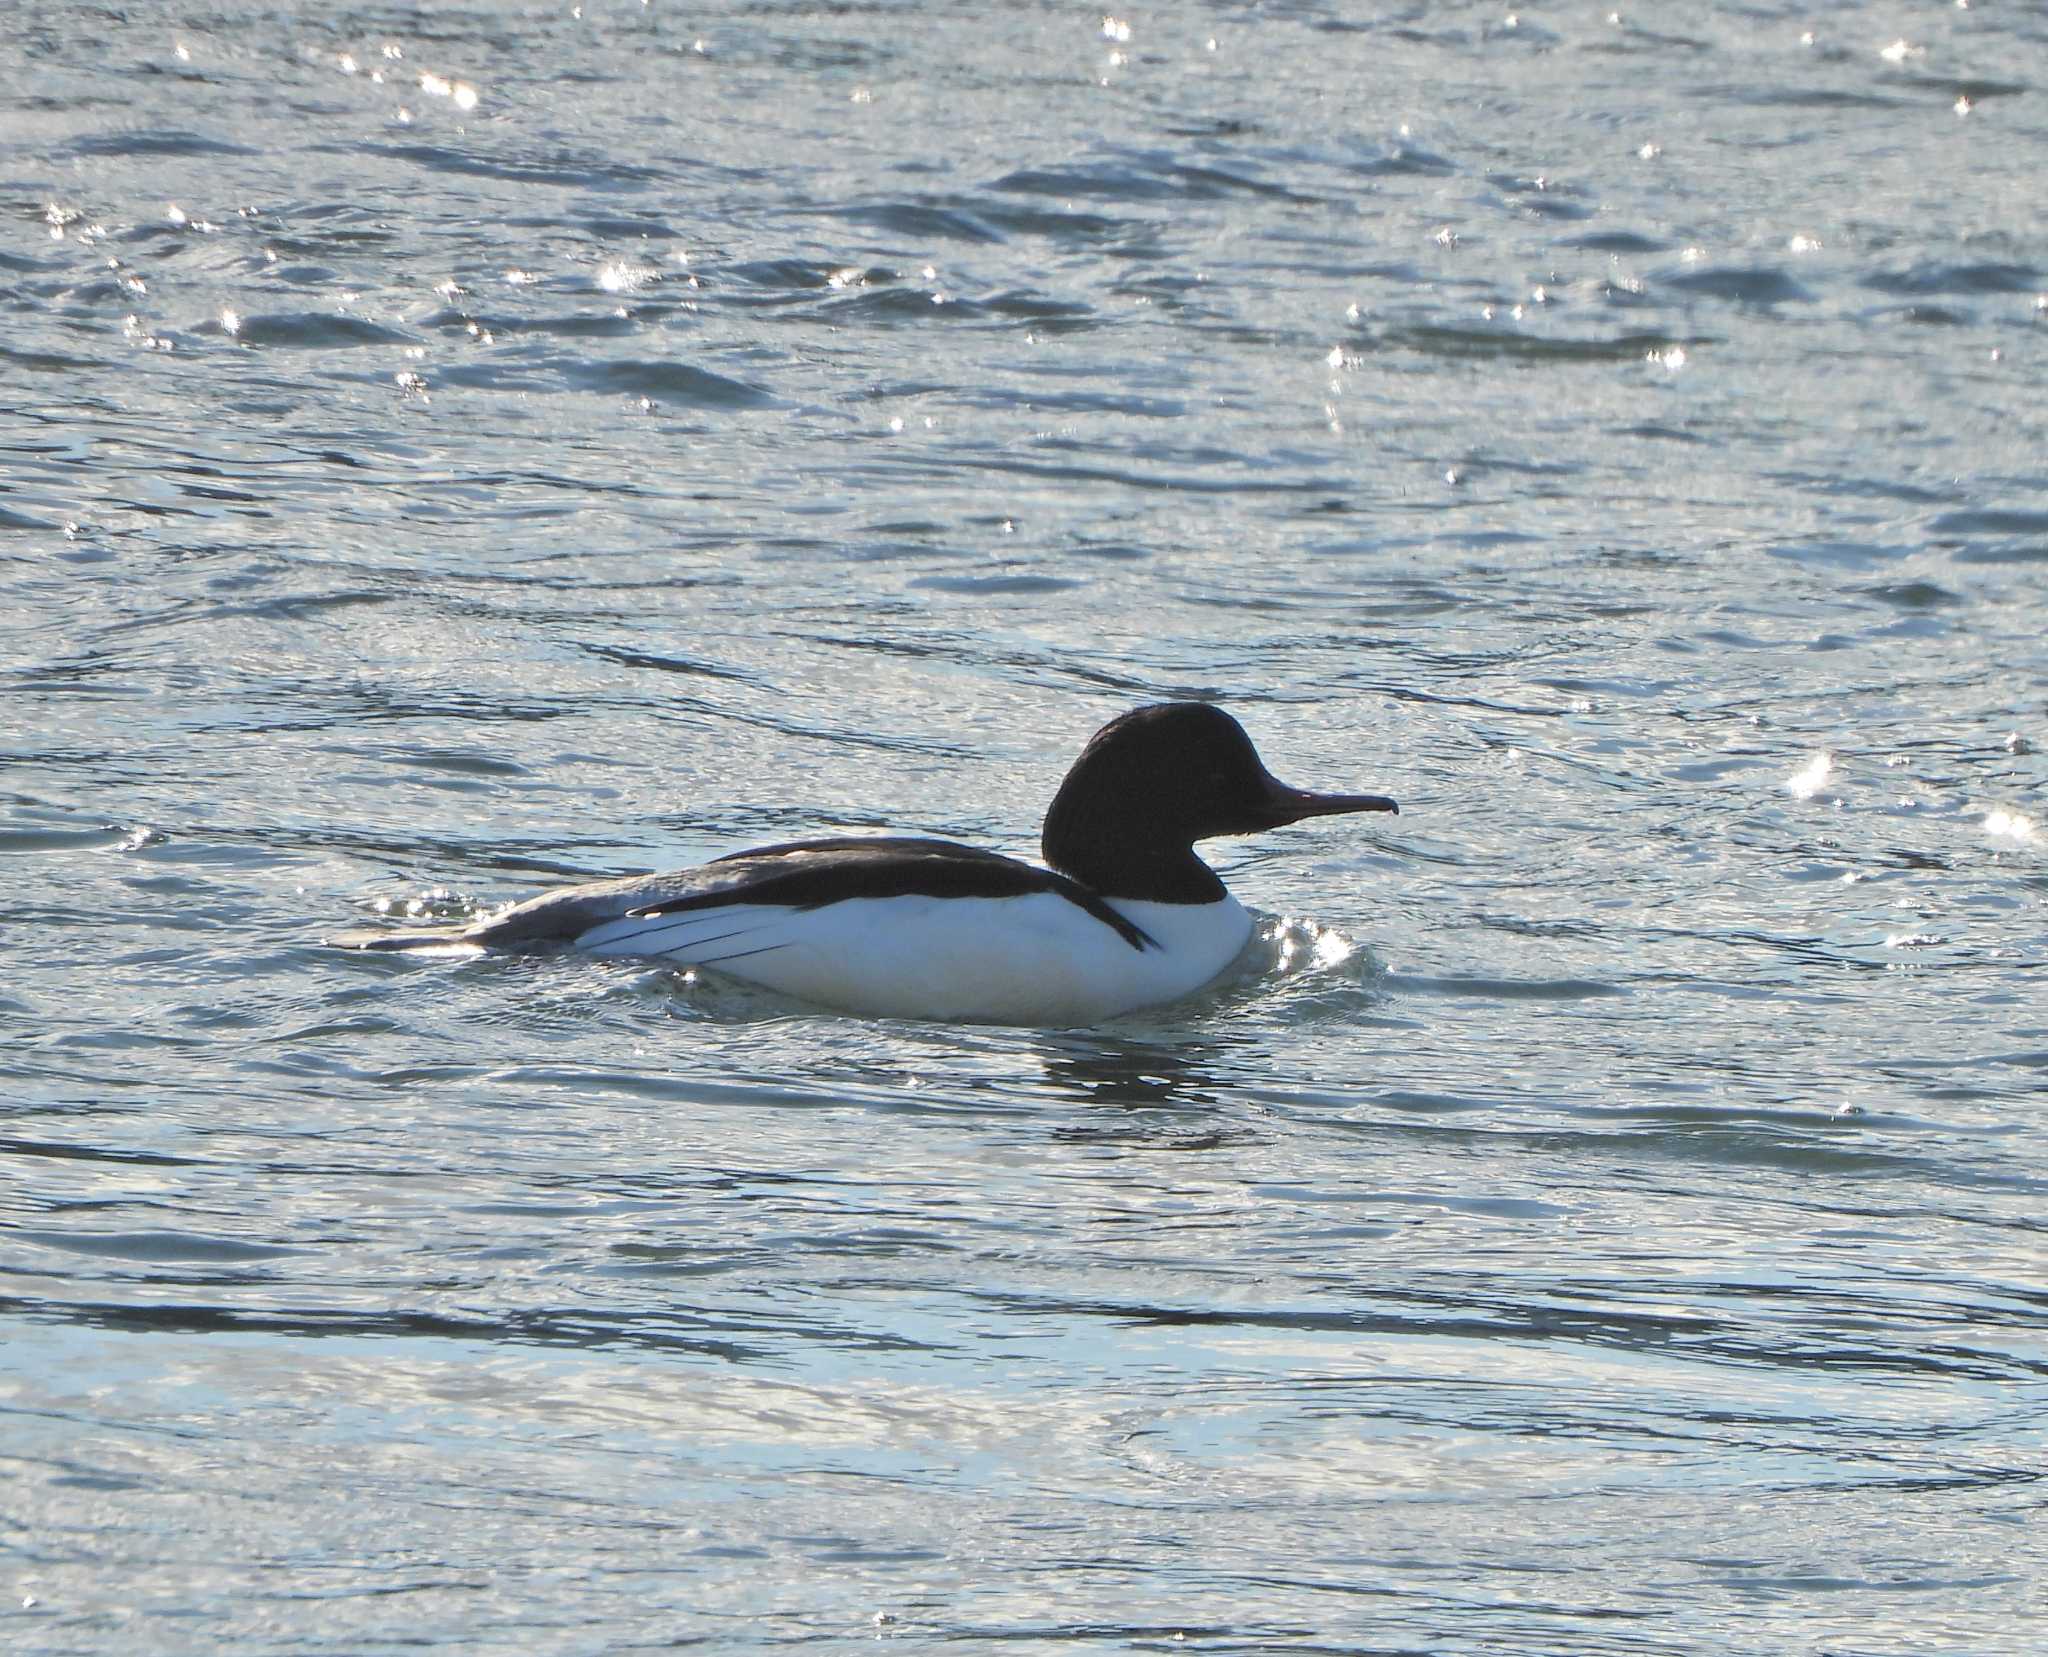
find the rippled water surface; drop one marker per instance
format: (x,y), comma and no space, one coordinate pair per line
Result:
(449,451)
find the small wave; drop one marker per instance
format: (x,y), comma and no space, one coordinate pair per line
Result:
(886,305)
(51,362)
(1049,315)
(1509,989)
(1745,284)
(156,141)
(154,1247)
(456,762)
(1920,315)
(1966,278)
(313,331)
(1618,241)
(1443,340)
(1804,97)
(1543,199)
(923,220)
(13,841)
(565,171)
(1991,521)
(2035,552)
(1145,179)
(1404,162)
(690,665)
(673,382)
(799,274)
(2011,537)
(1062,227)
(609,325)
(626,230)
(996,584)
(1914,595)
(1126,404)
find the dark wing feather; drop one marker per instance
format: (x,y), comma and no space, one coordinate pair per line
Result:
(802,874)
(808,874)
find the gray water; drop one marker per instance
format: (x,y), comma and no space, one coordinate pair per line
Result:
(450,451)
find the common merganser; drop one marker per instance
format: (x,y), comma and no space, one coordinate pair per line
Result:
(1124,916)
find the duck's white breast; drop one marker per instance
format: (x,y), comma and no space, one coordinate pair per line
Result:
(1032,959)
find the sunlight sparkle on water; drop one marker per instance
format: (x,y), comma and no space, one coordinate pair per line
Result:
(1809,779)
(618,276)
(462,93)
(1301,943)
(2008,825)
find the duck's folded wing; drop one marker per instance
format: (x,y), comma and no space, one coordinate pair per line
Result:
(805,874)
(808,874)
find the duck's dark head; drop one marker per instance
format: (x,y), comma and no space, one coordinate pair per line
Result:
(1151,783)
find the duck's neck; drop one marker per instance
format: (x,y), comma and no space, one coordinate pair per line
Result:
(1112,867)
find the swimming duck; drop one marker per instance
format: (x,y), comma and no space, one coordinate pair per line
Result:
(1122,915)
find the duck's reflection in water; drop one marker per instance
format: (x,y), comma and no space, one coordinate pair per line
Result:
(1165,1091)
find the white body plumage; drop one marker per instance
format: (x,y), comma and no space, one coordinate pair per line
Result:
(1034,959)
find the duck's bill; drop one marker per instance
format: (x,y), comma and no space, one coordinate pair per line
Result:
(1291,805)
